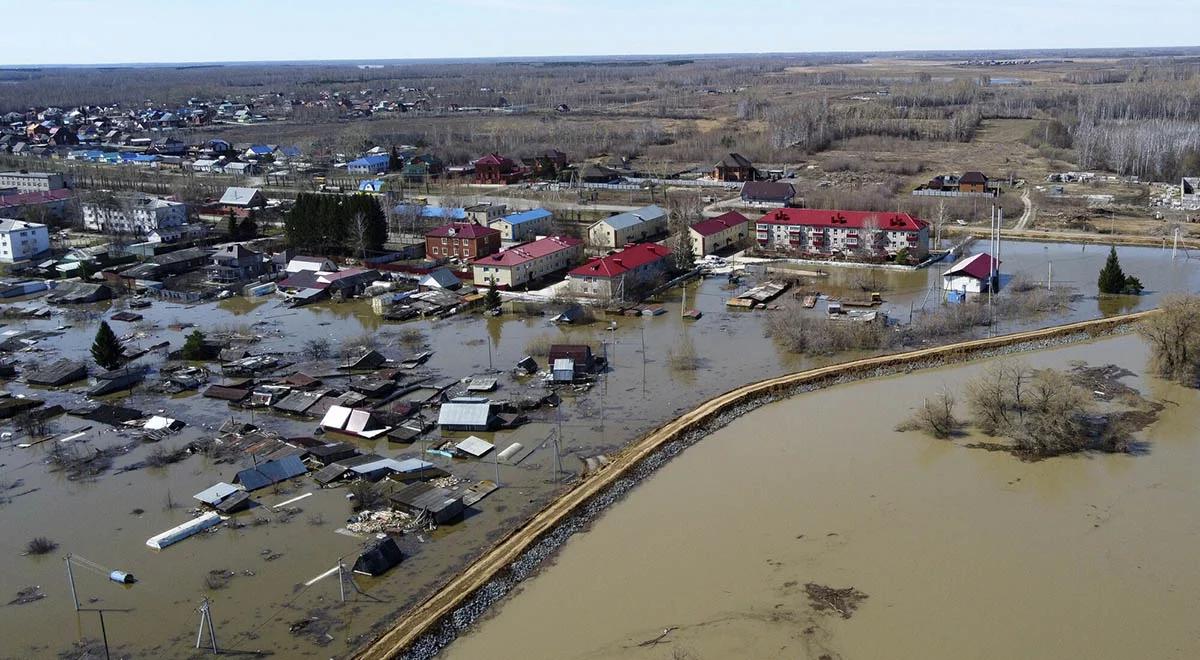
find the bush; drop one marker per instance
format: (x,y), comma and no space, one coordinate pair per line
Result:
(539,346)
(40,545)
(935,417)
(683,356)
(1174,338)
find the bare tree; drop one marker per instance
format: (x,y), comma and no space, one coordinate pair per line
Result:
(358,234)
(1174,338)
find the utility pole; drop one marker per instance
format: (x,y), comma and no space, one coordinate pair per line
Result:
(104,634)
(71,580)
(1175,243)
(1049,274)
(643,328)
(341,580)
(206,617)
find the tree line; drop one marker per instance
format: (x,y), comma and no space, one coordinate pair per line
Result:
(352,225)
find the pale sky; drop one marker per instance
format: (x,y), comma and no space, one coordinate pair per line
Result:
(125,31)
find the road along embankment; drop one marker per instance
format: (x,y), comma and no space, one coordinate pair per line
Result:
(434,623)
(1041,236)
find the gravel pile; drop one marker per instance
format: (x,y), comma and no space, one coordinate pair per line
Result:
(527,565)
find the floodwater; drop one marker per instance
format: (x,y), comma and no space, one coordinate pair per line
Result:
(96,519)
(962,553)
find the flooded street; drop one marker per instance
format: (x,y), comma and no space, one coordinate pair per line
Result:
(962,553)
(720,543)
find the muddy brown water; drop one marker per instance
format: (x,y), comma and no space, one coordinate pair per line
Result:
(963,553)
(94,520)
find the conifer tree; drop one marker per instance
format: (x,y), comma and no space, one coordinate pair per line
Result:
(106,349)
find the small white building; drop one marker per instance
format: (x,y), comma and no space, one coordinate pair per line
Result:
(136,213)
(971,275)
(21,240)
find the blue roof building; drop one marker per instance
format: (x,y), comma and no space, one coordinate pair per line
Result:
(524,226)
(432,211)
(375,164)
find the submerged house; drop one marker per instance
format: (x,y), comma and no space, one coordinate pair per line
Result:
(467,414)
(974,274)
(270,473)
(439,504)
(361,423)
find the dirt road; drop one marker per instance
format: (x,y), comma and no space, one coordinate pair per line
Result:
(1076,237)
(1027,216)
(443,603)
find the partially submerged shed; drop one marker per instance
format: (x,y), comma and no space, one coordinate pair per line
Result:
(467,414)
(440,504)
(379,558)
(58,373)
(270,473)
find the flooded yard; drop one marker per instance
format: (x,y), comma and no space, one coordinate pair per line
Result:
(960,552)
(273,551)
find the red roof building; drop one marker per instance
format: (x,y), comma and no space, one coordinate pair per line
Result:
(53,202)
(615,276)
(517,266)
(462,240)
(823,232)
(730,229)
(494,168)
(971,275)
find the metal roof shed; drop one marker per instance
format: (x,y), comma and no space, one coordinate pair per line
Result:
(564,370)
(379,558)
(475,446)
(213,495)
(421,498)
(270,473)
(466,414)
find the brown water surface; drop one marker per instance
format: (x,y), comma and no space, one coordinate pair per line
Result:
(963,553)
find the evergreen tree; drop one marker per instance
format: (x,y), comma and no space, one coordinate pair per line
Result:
(491,300)
(248,228)
(1112,278)
(231,226)
(193,348)
(106,349)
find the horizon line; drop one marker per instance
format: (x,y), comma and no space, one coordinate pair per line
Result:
(612,57)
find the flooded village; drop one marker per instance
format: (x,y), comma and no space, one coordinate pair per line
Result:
(361,369)
(265,464)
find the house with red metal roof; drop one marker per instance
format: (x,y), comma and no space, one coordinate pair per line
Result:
(617,275)
(461,240)
(522,264)
(727,230)
(494,168)
(972,274)
(824,232)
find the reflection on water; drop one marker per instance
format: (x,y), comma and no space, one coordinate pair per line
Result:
(963,553)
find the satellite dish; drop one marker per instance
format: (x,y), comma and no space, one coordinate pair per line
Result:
(450,231)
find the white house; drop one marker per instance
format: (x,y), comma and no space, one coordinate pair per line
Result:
(21,241)
(136,213)
(971,275)
(630,227)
